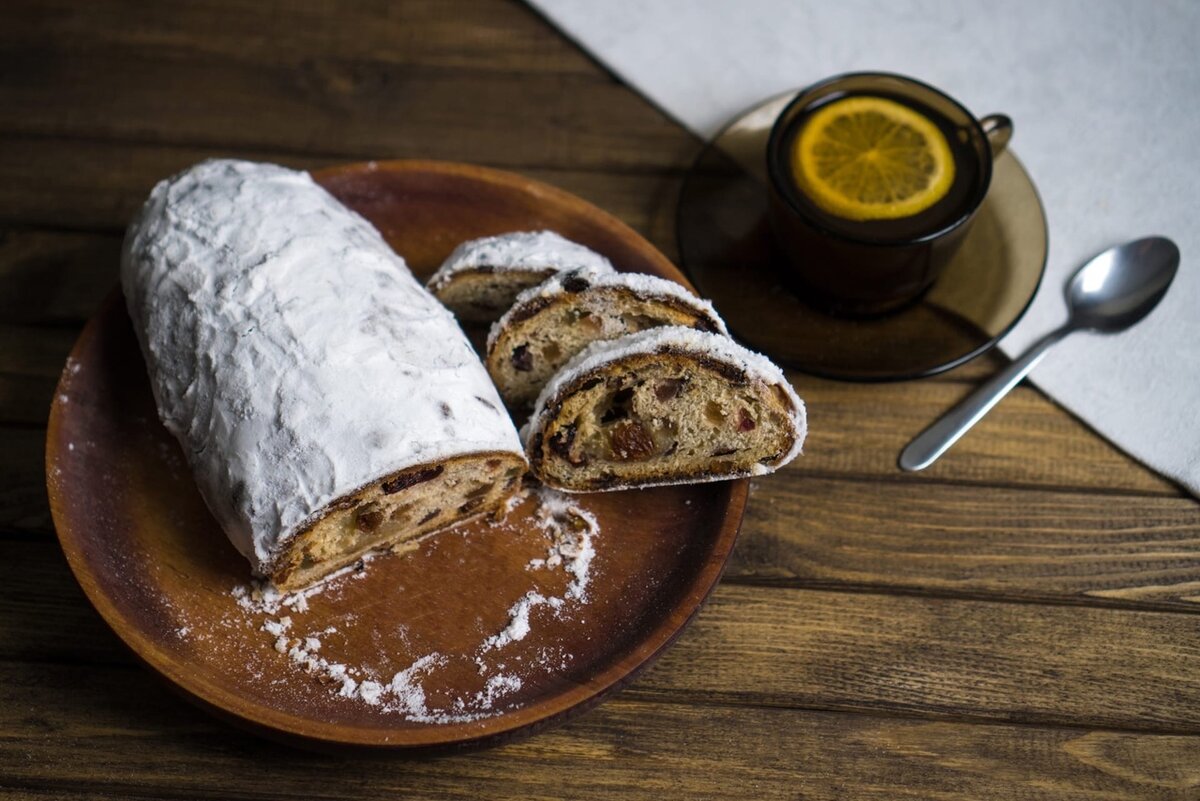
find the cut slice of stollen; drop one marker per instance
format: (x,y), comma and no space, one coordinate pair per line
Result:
(552,322)
(665,406)
(482,277)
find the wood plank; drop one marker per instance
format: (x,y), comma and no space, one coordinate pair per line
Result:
(475,34)
(97,186)
(1026,441)
(23,503)
(104,732)
(352,106)
(941,657)
(35,351)
(1050,546)
(55,278)
(935,657)
(25,400)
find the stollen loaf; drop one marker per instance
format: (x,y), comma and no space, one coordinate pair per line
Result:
(326,403)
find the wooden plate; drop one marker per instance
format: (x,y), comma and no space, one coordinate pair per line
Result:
(161,573)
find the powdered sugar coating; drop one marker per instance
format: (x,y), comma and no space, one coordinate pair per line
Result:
(291,351)
(673,339)
(521,251)
(642,285)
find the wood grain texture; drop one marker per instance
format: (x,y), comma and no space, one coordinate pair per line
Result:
(96,185)
(1019,544)
(944,658)
(940,657)
(473,34)
(23,504)
(152,745)
(55,278)
(305,103)
(1034,574)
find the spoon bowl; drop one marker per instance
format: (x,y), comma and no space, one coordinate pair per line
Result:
(1110,293)
(1122,285)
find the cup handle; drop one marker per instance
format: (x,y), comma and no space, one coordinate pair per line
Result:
(999,129)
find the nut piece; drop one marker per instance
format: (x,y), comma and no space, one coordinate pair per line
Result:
(560,445)
(632,442)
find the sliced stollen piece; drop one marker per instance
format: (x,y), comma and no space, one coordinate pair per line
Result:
(482,277)
(326,403)
(549,324)
(664,406)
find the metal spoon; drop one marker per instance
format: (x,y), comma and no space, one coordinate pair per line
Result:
(1110,293)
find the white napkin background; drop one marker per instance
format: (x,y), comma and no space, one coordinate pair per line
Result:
(1105,97)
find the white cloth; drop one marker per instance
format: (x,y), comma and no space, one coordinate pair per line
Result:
(1105,96)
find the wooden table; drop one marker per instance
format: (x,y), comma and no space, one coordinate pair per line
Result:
(1020,621)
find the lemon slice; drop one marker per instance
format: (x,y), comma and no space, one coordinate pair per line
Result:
(869,158)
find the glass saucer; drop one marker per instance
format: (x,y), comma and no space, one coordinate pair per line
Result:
(727,251)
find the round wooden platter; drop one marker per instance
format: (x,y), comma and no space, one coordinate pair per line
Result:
(161,573)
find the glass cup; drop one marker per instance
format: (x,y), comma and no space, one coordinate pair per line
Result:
(873,267)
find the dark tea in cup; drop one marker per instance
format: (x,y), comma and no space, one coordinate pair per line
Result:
(874,179)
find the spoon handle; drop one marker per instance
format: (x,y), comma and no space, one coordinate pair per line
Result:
(931,443)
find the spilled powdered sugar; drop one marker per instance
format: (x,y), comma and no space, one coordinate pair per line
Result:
(571,548)
(571,533)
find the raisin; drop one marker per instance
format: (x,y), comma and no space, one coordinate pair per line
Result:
(444,408)
(666,390)
(492,464)
(745,421)
(724,452)
(705,324)
(407,480)
(430,516)
(368,518)
(631,441)
(560,445)
(575,283)
(471,505)
(522,359)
